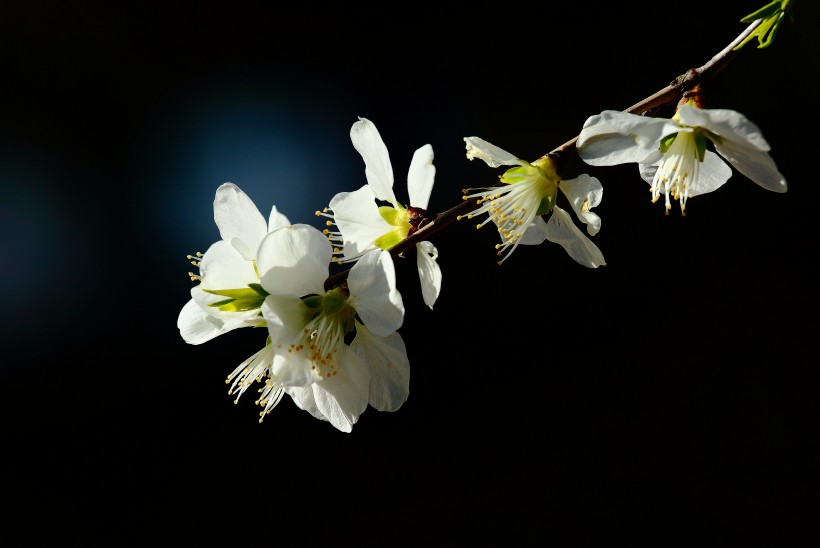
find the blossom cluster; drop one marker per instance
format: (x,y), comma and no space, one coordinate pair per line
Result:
(334,347)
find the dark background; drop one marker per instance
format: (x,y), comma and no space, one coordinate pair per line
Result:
(668,398)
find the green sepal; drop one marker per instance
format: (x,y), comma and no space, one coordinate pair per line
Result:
(243,293)
(666,142)
(714,137)
(700,144)
(313,301)
(546,205)
(386,241)
(394,216)
(239,300)
(259,289)
(238,305)
(333,303)
(515,174)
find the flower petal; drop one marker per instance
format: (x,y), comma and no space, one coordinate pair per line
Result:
(615,137)
(584,193)
(536,233)
(276,220)
(373,293)
(294,260)
(712,175)
(562,231)
(303,397)
(223,267)
(754,164)
(728,124)
(286,317)
(377,167)
(239,220)
(197,326)
(429,272)
(420,177)
(386,358)
(492,155)
(358,218)
(343,397)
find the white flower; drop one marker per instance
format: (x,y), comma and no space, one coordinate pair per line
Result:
(365,226)
(530,190)
(228,295)
(672,154)
(309,328)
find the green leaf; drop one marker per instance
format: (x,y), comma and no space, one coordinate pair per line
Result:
(763,13)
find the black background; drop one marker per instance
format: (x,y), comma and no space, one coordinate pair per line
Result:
(668,398)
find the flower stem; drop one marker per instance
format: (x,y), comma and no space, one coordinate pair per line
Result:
(668,95)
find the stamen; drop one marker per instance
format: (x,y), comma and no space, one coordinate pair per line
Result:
(196,262)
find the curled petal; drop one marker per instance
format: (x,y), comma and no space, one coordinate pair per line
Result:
(562,231)
(728,124)
(491,154)
(584,193)
(429,272)
(614,137)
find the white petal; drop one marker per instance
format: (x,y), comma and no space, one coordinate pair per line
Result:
(536,233)
(712,175)
(377,167)
(491,154)
(197,326)
(614,137)
(429,272)
(293,369)
(358,218)
(286,317)
(754,164)
(373,293)
(562,231)
(728,124)
(223,267)
(239,220)
(294,260)
(420,177)
(343,397)
(386,358)
(302,396)
(584,193)
(276,220)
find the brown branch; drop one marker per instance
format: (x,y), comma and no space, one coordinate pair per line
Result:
(668,95)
